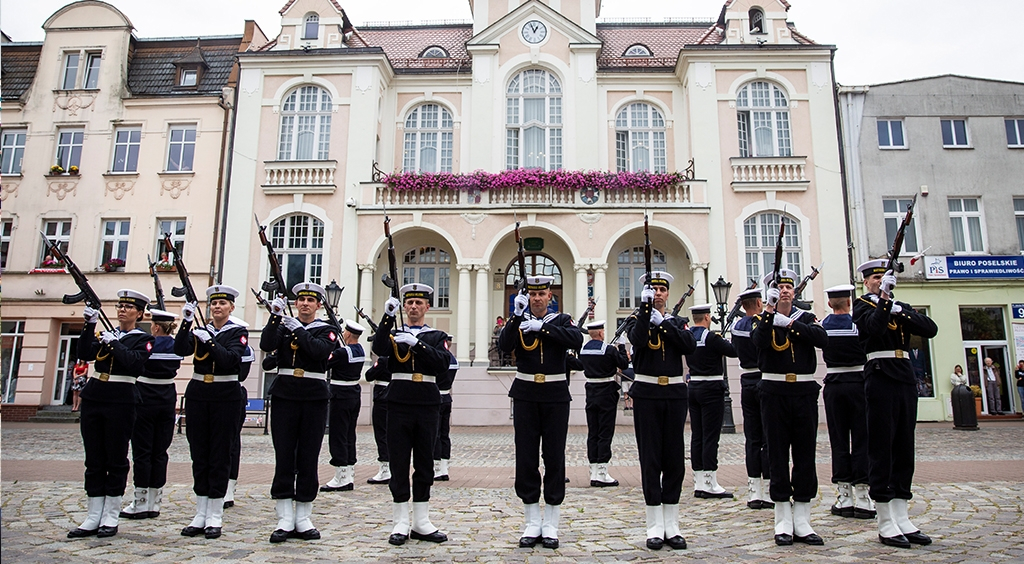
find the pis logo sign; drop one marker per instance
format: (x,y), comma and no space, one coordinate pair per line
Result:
(937,267)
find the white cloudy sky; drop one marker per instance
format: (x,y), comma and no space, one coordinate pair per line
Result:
(878,40)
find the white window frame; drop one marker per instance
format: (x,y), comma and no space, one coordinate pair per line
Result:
(888,124)
(1014,133)
(956,143)
(176,226)
(314,20)
(10,372)
(524,90)
(58,231)
(630,263)
(960,220)
(760,233)
(13,149)
(178,150)
(189,78)
(763,105)
(128,140)
(637,50)
(756,16)
(69,153)
(436,260)
(893,220)
(306,110)
(434,52)
(6,232)
(1018,215)
(640,134)
(294,236)
(115,244)
(69,72)
(92,71)
(428,128)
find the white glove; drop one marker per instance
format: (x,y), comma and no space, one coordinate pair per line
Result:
(188,311)
(773,296)
(888,283)
(405,338)
(391,306)
(520,303)
(895,308)
(531,325)
(91,315)
(873,298)
(202,334)
(622,340)
(781,320)
(107,337)
(278,306)
(656,317)
(290,322)
(647,295)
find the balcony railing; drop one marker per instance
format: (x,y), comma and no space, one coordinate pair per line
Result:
(769,173)
(688,194)
(299,176)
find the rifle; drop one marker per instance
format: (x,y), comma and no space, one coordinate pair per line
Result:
(679,304)
(897,243)
(778,250)
(586,314)
(186,290)
(803,283)
(330,311)
(734,312)
(156,284)
(366,318)
(391,278)
(521,258)
(647,252)
(261,300)
(85,292)
(278,284)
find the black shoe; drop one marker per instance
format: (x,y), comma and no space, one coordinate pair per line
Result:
(767,504)
(655,543)
(191,531)
(397,539)
(443,478)
(279,535)
(528,542)
(811,539)
(700,494)
(308,534)
(899,541)
(755,504)
(548,542)
(212,532)
(723,495)
(859,513)
(436,536)
(345,488)
(229,503)
(104,532)
(154,514)
(783,539)
(77,533)
(676,543)
(139,515)
(600,484)
(372,481)
(917,537)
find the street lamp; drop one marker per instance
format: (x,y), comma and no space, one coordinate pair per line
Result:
(721,290)
(334,294)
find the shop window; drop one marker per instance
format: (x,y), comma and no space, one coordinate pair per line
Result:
(13,333)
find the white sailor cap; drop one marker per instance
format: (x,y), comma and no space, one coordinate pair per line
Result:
(309,289)
(353,327)
(874,266)
(702,308)
(658,278)
(751,293)
(221,292)
(594,325)
(786,276)
(161,315)
(416,290)
(133,298)
(840,291)
(539,282)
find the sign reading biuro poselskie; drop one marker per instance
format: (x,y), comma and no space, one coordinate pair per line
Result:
(975,267)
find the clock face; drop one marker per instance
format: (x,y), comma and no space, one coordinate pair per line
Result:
(534,31)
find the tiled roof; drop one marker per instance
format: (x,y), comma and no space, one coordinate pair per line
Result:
(152,70)
(18,68)
(404,44)
(664,40)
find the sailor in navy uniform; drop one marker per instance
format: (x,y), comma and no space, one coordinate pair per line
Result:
(755,441)
(786,338)
(346,368)
(706,400)
(540,400)
(417,356)
(845,407)
(108,408)
(211,403)
(243,401)
(885,327)
(154,420)
(443,443)
(379,375)
(299,402)
(601,362)
(659,408)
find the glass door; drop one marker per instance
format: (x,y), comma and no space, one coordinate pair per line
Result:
(67,354)
(975,355)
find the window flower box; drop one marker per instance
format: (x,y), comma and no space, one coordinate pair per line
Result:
(113,265)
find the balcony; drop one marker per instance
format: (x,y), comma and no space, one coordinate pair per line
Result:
(753,174)
(294,177)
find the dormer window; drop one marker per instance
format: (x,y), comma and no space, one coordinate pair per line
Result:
(312,27)
(434,52)
(190,68)
(189,77)
(756,21)
(637,51)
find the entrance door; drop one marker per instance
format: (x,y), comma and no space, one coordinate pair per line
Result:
(975,354)
(67,355)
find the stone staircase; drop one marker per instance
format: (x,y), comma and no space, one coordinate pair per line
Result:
(55,414)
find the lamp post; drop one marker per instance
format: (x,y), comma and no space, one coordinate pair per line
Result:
(334,294)
(721,290)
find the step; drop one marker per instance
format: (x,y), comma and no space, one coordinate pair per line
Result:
(54,419)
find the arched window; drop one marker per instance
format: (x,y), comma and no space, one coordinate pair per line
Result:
(311,30)
(637,50)
(640,139)
(760,232)
(299,242)
(533,118)
(305,125)
(434,52)
(631,267)
(762,112)
(536,265)
(430,266)
(428,140)
(756,17)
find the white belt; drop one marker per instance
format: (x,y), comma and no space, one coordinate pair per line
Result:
(344,382)
(787,377)
(600,380)
(889,354)
(540,378)
(300,373)
(155,381)
(844,369)
(105,377)
(749,372)
(659,380)
(414,377)
(446,392)
(706,378)
(211,378)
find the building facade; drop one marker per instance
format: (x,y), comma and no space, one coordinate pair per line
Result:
(957,144)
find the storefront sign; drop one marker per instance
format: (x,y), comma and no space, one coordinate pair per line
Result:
(1018,311)
(973,267)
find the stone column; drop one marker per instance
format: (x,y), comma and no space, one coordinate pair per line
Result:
(462,323)
(482,335)
(581,291)
(605,302)
(366,290)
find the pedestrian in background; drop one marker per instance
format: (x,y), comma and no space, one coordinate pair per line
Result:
(1019,376)
(81,373)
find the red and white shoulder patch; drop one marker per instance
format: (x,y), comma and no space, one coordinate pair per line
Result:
(149,347)
(244,340)
(332,336)
(446,345)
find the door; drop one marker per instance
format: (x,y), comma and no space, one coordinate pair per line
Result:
(67,354)
(975,354)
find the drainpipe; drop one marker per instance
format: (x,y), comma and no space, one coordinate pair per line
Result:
(842,165)
(228,147)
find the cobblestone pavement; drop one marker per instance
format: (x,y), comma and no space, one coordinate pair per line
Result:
(972,506)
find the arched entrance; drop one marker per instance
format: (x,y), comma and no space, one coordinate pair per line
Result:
(537,264)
